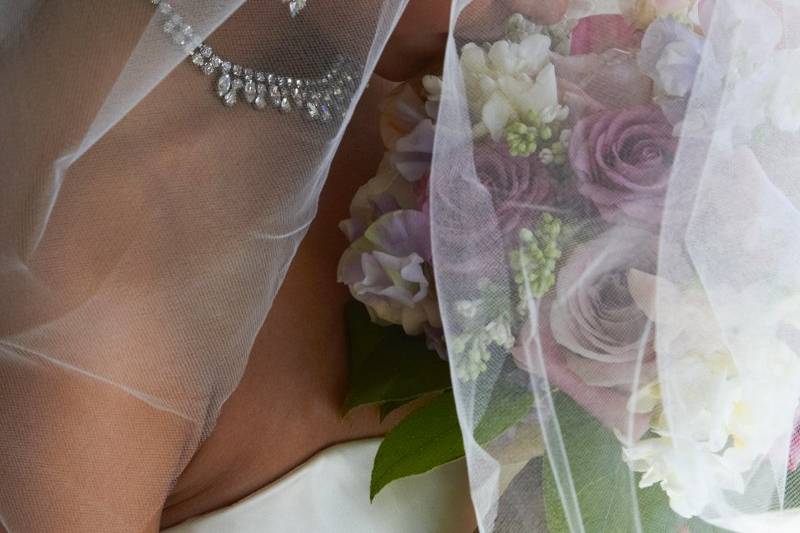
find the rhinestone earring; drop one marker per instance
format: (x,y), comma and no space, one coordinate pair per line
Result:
(295,6)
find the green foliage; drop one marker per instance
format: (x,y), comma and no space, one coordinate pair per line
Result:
(508,405)
(428,437)
(386,365)
(602,483)
(431,436)
(390,368)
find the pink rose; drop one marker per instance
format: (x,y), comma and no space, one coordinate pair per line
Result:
(599,33)
(622,162)
(591,333)
(594,314)
(607,405)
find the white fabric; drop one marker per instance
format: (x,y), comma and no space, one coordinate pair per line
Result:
(721,233)
(330,494)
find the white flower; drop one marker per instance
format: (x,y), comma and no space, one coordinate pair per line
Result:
(508,81)
(433,94)
(642,13)
(670,56)
(646,399)
(471,351)
(767,95)
(467,308)
(744,34)
(554,113)
(518,28)
(500,333)
(742,62)
(726,392)
(689,474)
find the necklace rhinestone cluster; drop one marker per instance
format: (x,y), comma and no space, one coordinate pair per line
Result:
(320,99)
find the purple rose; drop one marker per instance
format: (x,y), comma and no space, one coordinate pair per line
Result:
(479,215)
(622,161)
(520,187)
(594,315)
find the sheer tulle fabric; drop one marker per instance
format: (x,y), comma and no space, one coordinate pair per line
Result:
(673,325)
(144,231)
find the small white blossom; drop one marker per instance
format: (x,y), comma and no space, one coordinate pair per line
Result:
(500,333)
(467,308)
(473,350)
(433,94)
(518,28)
(508,81)
(554,113)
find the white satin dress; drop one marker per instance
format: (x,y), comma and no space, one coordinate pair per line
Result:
(330,494)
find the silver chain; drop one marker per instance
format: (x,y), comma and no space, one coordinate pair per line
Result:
(322,99)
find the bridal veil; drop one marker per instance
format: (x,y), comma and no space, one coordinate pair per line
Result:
(651,296)
(145,229)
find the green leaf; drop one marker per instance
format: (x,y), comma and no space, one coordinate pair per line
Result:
(792,490)
(602,482)
(428,437)
(431,436)
(363,336)
(508,405)
(387,365)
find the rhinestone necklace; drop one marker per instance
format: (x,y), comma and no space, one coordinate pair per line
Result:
(320,99)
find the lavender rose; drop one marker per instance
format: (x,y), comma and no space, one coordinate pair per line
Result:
(594,315)
(479,216)
(622,162)
(520,187)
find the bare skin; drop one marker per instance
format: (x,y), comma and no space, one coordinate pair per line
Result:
(286,407)
(298,371)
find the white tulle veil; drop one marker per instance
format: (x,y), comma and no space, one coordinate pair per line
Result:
(137,261)
(663,362)
(136,267)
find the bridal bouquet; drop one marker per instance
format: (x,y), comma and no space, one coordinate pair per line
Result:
(579,327)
